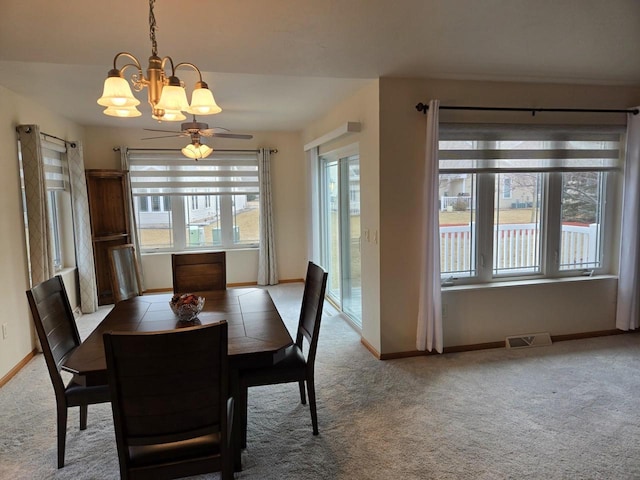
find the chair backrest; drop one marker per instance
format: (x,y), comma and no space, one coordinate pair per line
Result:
(315,285)
(55,325)
(197,272)
(125,272)
(167,386)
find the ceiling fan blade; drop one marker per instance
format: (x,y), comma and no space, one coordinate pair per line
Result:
(208,132)
(234,135)
(163,136)
(156,130)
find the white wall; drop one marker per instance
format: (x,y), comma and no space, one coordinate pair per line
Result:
(13,257)
(361,107)
(289,198)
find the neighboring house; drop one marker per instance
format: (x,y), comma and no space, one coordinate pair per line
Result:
(515,191)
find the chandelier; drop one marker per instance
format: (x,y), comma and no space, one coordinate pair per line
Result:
(166,93)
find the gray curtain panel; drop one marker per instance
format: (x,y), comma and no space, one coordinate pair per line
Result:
(267,268)
(82,229)
(124,164)
(41,262)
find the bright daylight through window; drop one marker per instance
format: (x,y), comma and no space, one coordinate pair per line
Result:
(181,205)
(525,201)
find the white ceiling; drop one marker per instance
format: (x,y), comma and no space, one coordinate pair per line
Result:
(278,64)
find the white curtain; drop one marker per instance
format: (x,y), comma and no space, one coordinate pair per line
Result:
(124,165)
(82,229)
(267,269)
(429,335)
(40,259)
(628,307)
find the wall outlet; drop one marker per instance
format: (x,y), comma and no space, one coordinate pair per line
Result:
(4,331)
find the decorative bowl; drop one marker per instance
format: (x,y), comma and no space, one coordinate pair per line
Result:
(186,306)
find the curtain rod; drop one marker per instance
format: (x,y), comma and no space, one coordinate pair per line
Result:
(421,107)
(117,149)
(66,142)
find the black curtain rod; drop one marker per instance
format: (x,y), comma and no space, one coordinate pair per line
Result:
(66,142)
(421,107)
(117,149)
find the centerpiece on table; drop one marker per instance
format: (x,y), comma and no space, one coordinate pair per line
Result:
(186,306)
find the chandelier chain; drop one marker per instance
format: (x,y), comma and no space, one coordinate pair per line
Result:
(152,29)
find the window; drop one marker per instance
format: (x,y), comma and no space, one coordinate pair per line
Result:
(525,202)
(211,203)
(58,203)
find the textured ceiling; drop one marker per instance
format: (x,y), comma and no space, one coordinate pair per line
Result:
(275,65)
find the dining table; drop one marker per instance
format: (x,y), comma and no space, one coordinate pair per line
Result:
(257,335)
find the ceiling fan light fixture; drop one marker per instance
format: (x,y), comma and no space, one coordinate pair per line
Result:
(202,101)
(117,92)
(197,151)
(122,112)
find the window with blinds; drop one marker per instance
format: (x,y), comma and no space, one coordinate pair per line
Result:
(56,170)
(184,204)
(58,201)
(522,201)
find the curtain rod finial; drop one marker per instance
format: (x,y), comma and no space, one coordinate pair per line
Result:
(421,107)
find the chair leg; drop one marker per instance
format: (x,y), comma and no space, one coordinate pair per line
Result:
(312,405)
(244,393)
(62,433)
(83,416)
(303,398)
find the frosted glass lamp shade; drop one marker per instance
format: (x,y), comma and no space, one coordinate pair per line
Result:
(203,103)
(173,98)
(197,151)
(117,93)
(170,116)
(122,112)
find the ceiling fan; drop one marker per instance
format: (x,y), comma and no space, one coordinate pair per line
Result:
(196,129)
(195,149)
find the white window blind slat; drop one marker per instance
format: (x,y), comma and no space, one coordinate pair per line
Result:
(56,172)
(170,173)
(495,148)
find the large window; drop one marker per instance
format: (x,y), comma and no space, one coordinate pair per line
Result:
(183,204)
(525,202)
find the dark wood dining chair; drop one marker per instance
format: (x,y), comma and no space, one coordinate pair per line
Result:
(172,411)
(197,272)
(58,335)
(294,367)
(125,272)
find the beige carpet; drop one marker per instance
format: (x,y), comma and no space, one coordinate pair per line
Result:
(568,411)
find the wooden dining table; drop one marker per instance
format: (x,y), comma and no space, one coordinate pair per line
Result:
(257,335)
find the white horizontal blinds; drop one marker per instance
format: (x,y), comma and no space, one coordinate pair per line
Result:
(56,170)
(528,148)
(170,173)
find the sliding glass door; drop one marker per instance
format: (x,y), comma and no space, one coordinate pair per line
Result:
(340,230)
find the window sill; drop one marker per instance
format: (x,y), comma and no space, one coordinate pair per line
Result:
(169,252)
(525,283)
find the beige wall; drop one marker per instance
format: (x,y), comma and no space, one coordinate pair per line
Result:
(361,107)
(391,145)
(482,314)
(289,197)
(13,258)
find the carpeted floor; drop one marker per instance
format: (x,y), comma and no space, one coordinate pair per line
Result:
(568,411)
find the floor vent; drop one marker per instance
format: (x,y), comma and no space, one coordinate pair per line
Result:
(530,340)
